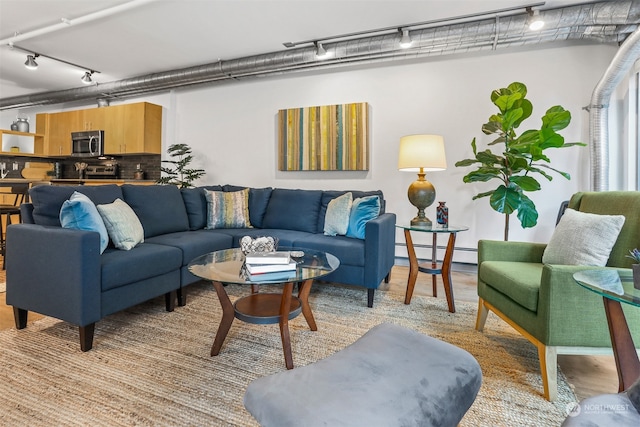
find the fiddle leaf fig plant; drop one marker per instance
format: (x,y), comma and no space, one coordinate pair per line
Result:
(519,158)
(179,173)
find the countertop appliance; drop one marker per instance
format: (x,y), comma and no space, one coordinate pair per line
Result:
(105,169)
(88,143)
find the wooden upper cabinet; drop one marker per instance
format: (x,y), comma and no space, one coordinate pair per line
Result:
(128,129)
(133,129)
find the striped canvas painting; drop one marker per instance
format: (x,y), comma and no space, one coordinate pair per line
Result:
(325,138)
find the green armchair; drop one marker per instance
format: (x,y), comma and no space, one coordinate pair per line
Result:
(543,302)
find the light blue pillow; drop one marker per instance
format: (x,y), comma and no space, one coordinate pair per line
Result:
(363,210)
(80,213)
(123,225)
(336,220)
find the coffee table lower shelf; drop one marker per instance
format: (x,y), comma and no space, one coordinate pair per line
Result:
(264,309)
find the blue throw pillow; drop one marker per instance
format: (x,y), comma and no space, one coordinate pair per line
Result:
(363,210)
(80,213)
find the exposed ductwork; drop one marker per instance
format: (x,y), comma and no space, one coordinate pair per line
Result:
(626,56)
(603,22)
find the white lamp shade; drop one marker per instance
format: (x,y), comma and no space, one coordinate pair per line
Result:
(422,151)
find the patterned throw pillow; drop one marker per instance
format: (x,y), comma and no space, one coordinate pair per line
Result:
(123,226)
(582,238)
(79,213)
(227,209)
(336,220)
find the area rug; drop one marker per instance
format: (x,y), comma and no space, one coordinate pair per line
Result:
(149,367)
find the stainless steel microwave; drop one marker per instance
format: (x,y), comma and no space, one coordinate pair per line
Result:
(89,143)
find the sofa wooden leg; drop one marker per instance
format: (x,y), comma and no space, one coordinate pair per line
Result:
(370,293)
(86,336)
(387,278)
(170,300)
(182,297)
(548,356)
(482,315)
(20,317)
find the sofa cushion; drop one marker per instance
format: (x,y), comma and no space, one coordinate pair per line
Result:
(348,251)
(80,213)
(194,243)
(227,209)
(363,210)
(123,226)
(196,205)
(293,210)
(47,200)
(258,201)
(329,195)
(160,208)
(336,220)
(519,280)
(582,238)
(142,262)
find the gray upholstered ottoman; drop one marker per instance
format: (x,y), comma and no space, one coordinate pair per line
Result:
(391,376)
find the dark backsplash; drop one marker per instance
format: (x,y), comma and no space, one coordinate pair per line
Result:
(149,163)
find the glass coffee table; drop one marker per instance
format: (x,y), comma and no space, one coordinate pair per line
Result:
(227,267)
(616,287)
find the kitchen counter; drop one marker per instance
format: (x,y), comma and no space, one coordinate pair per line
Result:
(102,181)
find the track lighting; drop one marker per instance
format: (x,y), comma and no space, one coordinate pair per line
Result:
(405,41)
(31,63)
(86,79)
(535,20)
(321,52)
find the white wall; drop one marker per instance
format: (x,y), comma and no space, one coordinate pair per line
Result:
(232,128)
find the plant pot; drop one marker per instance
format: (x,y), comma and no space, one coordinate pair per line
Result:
(636,275)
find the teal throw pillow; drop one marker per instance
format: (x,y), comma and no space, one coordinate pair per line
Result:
(363,210)
(123,225)
(336,220)
(80,213)
(227,209)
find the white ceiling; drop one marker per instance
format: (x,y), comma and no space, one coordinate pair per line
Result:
(162,35)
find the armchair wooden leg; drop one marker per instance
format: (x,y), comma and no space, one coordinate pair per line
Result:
(549,370)
(482,315)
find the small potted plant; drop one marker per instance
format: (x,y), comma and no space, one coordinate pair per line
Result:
(635,256)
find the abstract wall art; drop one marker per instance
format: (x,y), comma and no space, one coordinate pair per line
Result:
(324,138)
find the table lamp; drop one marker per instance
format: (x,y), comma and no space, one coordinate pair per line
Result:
(420,153)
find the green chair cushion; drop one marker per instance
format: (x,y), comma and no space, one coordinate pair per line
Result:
(520,281)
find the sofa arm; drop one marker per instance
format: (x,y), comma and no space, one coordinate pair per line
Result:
(380,246)
(498,250)
(54,271)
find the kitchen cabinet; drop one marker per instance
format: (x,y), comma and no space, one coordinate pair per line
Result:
(16,143)
(128,129)
(134,129)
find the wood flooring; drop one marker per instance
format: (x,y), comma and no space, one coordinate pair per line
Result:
(589,375)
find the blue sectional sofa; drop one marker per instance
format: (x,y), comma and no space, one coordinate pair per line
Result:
(60,272)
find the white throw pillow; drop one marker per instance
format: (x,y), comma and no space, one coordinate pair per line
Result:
(123,225)
(336,220)
(582,238)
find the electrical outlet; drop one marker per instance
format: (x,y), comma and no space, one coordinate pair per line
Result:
(15,166)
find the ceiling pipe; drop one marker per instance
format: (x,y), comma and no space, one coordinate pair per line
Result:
(66,23)
(622,62)
(605,22)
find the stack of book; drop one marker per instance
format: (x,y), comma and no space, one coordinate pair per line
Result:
(268,265)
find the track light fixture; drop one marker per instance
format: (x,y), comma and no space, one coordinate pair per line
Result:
(535,20)
(405,41)
(31,63)
(86,79)
(321,52)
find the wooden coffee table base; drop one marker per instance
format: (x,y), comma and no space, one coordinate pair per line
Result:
(265,309)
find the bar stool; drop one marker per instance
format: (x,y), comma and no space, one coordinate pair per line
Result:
(7,211)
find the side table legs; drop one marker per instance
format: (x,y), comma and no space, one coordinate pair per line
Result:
(624,350)
(445,269)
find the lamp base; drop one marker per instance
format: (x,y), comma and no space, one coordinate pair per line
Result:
(421,222)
